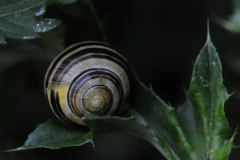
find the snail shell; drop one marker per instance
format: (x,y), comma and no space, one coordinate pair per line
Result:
(88,78)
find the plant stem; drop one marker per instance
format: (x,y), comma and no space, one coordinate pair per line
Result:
(98,21)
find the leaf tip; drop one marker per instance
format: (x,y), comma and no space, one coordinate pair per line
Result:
(13,150)
(208,32)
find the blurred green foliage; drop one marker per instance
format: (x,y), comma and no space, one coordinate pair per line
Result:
(160,39)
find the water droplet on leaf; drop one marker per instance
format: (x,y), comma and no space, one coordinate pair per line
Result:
(29,37)
(213,63)
(17,14)
(45,25)
(41,11)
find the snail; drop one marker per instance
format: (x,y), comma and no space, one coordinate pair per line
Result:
(87,78)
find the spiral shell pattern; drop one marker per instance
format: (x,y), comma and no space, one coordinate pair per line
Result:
(88,78)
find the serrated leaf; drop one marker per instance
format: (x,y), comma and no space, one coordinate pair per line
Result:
(21,19)
(54,135)
(224,151)
(163,120)
(208,95)
(199,128)
(111,123)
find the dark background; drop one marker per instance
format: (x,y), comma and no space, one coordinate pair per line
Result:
(161,40)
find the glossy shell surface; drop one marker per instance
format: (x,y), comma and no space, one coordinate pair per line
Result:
(88,78)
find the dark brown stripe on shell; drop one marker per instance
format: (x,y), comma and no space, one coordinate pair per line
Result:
(100,53)
(92,75)
(70,49)
(59,74)
(58,110)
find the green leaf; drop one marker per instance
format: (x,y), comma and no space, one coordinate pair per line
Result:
(21,19)
(224,151)
(164,121)
(198,129)
(111,123)
(15,6)
(208,95)
(54,135)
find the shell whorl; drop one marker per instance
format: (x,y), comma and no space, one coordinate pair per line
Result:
(88,78)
